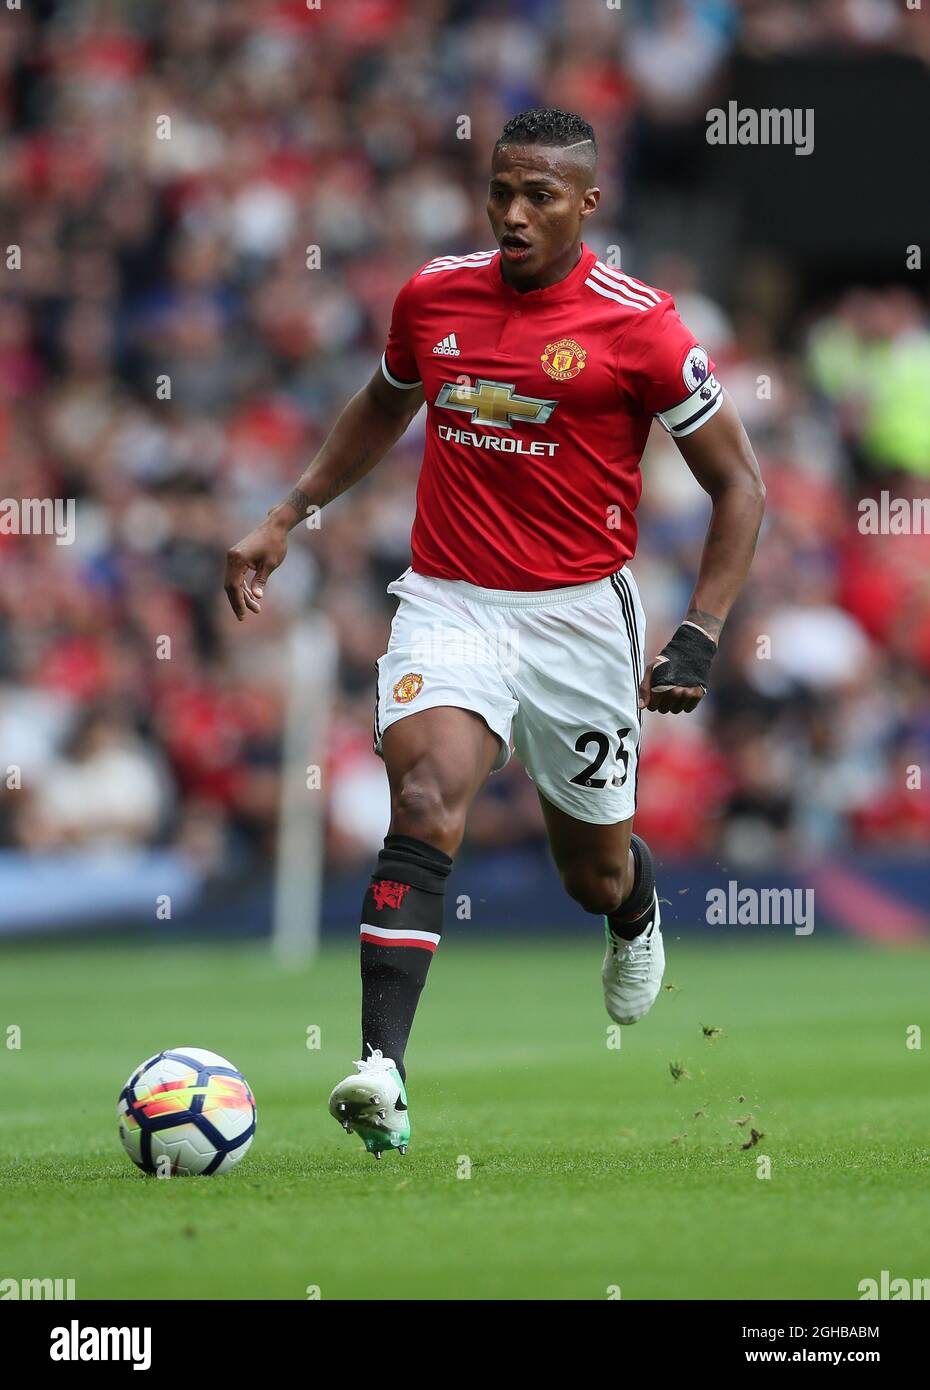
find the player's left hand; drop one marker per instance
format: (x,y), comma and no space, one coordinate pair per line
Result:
(673,699)
(676,682)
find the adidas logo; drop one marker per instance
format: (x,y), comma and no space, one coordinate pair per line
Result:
(448,347)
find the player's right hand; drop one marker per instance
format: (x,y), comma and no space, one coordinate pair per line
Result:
(261,552)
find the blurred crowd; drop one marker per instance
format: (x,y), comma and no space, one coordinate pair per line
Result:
(171,357)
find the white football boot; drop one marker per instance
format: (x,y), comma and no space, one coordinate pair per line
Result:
(373,1105)
(632,972)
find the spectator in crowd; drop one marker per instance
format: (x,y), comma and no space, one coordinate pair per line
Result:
(104,791)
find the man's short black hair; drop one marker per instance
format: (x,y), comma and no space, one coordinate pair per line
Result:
(547,126)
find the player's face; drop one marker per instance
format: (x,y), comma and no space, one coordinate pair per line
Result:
(537,205)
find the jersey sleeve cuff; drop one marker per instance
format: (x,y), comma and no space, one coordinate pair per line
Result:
(401,385)
(693,412)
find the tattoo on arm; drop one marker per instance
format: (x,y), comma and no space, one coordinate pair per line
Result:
(298,500)
(711,625)
(340,484)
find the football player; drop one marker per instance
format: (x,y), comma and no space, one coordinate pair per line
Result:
(519,620)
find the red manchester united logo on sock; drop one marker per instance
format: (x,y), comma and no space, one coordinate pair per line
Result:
(387,893)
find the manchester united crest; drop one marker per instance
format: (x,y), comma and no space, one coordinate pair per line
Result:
(564,359)
(408,688)
(387,893)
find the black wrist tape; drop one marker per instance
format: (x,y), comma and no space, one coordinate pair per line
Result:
(688,657)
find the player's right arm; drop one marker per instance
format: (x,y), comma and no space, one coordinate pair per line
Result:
(367,429)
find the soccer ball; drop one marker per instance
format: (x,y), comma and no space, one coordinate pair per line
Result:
(186,1111)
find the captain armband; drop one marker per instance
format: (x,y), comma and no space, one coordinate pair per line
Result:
(705,400)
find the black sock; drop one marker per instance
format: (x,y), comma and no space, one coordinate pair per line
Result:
(400,930)
(637,910)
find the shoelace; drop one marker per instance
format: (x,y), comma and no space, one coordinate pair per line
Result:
(635,960)
(376,1062)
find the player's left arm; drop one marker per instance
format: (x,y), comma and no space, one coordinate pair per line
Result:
(721,458)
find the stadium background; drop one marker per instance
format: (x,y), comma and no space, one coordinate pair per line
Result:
(337,128)
(188,256)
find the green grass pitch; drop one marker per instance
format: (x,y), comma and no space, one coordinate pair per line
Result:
(590,1167)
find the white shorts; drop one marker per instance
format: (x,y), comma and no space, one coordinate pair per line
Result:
(558,670)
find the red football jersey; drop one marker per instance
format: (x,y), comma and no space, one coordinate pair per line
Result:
(538,409)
